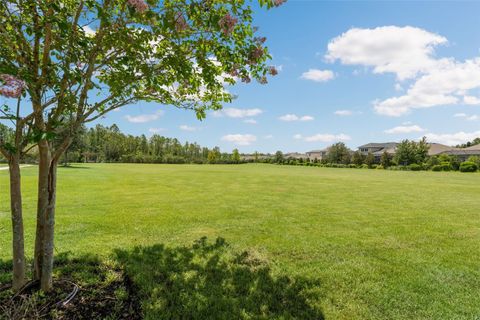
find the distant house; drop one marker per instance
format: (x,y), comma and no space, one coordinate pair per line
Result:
(295,155)
(377,149)
(438,148)
(464,153)
(319,155)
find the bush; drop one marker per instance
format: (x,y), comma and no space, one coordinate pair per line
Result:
(446,166)
(364,166)
(415,167)
(380,167)
(468,167)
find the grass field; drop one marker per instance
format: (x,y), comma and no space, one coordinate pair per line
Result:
(339,243)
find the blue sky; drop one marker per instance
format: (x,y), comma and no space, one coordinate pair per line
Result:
(354,71)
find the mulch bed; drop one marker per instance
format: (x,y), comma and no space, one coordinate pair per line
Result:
(65,302)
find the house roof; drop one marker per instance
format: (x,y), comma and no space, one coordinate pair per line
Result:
(380,152)
(318,151)
(295,154)
(464,152)
(437,148)
(379,145)
(475,147)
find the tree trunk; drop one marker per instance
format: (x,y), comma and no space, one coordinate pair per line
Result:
(17,223)
(44,242)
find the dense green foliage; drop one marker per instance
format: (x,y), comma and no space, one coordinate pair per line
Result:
(468,166)
(338,153)
(409,152)
(343,230)
(108,144)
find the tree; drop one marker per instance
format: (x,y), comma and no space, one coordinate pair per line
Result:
(358,158)
(338,153)
(235,156)
(386,159)
(421,151)
(370,160)
(255,156)
(77,60)
(409,152)
(405,153)
(279,158)
(12,147)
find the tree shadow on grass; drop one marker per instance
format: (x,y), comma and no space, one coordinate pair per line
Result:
(202,281)
(103,292)
(72,166)
(208,281)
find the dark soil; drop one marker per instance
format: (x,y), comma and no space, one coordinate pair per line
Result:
(103,293)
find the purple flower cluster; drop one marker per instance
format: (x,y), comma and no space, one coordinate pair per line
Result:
(12,87)
(246,79)
(227,23)
(260,40)
(278,3)
(139,5)
(180,22)
(255,55)
(272,71)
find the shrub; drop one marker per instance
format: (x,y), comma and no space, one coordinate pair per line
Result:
(437,167)
(380,167)
(468,167)
(364,166)
(446,166)
(415,167)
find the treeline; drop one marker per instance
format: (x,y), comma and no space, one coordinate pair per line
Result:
(109,144)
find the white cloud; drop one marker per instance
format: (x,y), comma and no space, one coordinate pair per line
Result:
(268,136)
(294,117)
(405,51)
(453,138)
(250,121)
(473,117)
(185,127)
(144,117)
(471,100)
(238,113)
(89,31)
(445,85)
(409,53)
(156,130)
(405,129)
(323,137)
(240,139)
(318,75)
(343,112)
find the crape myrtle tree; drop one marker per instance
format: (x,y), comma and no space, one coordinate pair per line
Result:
(73,61)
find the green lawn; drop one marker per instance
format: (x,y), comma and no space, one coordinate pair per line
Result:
(348,243)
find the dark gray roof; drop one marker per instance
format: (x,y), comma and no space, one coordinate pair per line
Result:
(460,152)
(475,147)
(379,145)
(318,151)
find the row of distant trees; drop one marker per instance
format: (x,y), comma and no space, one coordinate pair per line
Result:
(109,144)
